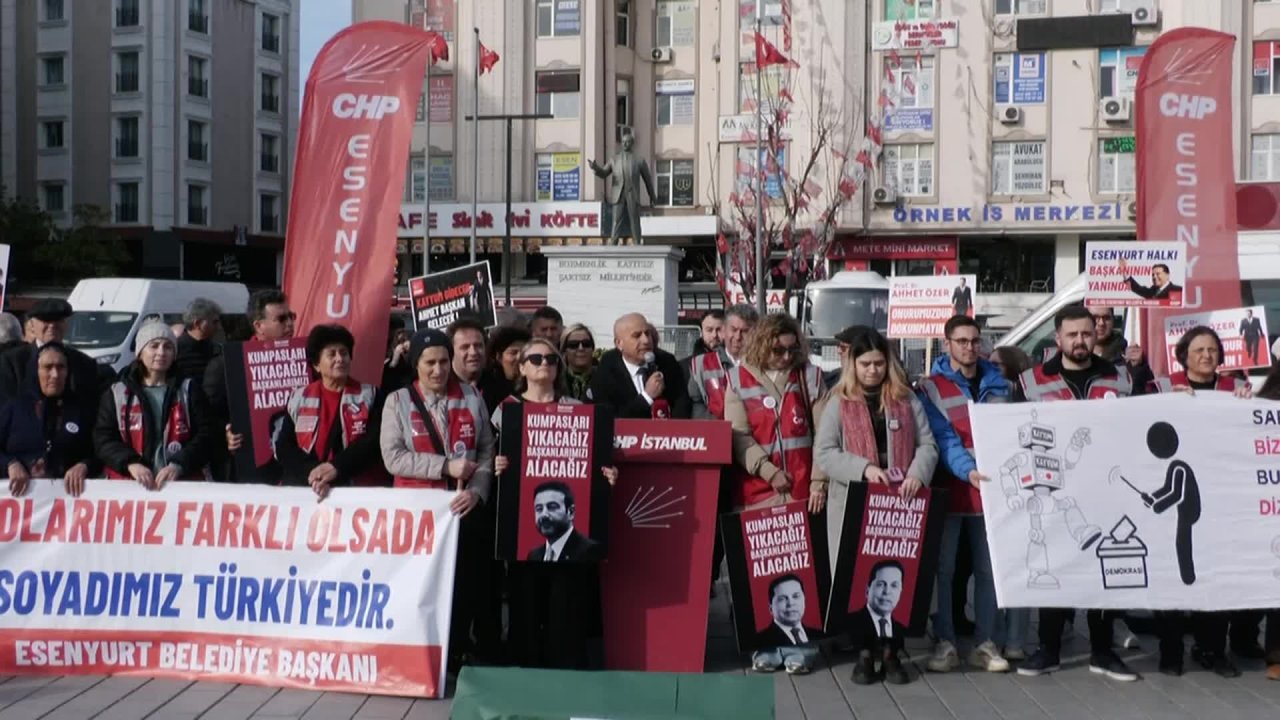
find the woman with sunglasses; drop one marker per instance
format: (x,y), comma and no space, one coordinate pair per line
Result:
(555,606)
(771,409)
(579,347)
(874,430)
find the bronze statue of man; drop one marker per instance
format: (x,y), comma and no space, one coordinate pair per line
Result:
(628,171)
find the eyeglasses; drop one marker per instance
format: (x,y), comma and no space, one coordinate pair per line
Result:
(579,345)
(538,358)
(965,342)
(781,350)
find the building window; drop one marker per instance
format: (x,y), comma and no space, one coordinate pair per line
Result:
(1020,7)
(53,200)
(909,9)
(270,33)
(747,178)
(1266,68)
(558,94)
(675,183)
(1113,6)
(51,71)
(127,137)
(269,160)
(126,210)
(197,213)
(674,102)
(269,213)
(770,86)
(270,93)
(127,72)
(1116,165)
(913,79)
(53,11)
(676,23)
(622,107)
(1118,71)
(126,13)
(908,169)
(1019,78)
(1264,157)
(622,24)
(1009,264)
(197,77)
(51,134)
(197,141)
(1017,168)
(197,17)
(441,175)
(559,18)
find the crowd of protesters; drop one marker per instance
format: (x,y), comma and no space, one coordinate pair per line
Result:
(433,419)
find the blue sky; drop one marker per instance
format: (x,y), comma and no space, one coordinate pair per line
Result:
(321,20)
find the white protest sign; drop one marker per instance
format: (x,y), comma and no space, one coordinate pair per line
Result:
(920,305)
(1161,502)
(1135,274)
(1243,332)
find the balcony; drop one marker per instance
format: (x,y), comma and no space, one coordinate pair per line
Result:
(269,163)
(197,22)
(198,87)
(127,16)
(198,151)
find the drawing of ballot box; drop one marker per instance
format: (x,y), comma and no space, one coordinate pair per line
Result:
(1124,563)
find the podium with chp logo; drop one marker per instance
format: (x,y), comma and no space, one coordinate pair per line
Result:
(655,583)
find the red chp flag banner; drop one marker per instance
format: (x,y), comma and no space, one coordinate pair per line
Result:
(1186,183)
(357,121)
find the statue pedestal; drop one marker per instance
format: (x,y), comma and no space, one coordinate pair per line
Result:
(595,285)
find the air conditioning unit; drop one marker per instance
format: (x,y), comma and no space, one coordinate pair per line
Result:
(884,196)
(1144,12)
(1010,114)
(1115,109)
(660,54)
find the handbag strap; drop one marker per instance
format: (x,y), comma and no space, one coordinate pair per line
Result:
(427,419)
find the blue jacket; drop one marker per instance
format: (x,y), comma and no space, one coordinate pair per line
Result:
(992,388)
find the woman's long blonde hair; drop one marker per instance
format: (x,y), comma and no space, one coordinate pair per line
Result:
(895,385)
(759,347)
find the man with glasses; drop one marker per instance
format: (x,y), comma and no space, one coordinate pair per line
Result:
(272,320)
(1110,345)
(955,379)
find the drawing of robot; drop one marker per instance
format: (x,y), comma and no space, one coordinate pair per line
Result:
(1041,471)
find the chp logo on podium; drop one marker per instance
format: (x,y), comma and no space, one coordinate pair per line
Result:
(920,305)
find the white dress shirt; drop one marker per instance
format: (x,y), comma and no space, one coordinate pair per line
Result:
(637,379)
(555,549)
(791,632)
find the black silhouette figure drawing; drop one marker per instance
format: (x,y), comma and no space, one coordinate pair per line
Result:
(1180,491)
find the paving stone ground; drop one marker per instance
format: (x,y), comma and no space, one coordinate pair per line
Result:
(826,694)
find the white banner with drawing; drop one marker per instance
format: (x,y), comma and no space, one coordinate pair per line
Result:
(1160,502)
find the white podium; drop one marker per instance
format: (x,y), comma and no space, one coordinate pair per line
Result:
(596,284)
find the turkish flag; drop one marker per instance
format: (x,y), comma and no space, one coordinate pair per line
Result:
(488,59)
(439,48)
(767,54)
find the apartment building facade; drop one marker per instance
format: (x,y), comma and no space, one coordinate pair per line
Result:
(178,117)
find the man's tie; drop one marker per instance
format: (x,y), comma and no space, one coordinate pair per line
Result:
(884,628)
(795,634)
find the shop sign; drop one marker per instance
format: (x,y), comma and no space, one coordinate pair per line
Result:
(1027,213)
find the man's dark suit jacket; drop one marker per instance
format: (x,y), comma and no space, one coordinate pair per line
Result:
(611,385)
(1152,293)
(773,636)
(577,548)
(864,630)
(1251,328)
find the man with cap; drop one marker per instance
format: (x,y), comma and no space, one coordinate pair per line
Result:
(436,434)
(48,323)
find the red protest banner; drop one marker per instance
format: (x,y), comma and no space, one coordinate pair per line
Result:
(260,378)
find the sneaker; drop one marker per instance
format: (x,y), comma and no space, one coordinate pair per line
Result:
(796,666)
(1040,663)
(1273,671)
(761,664)
(1014,653)
(945,658)
(1112,666)
(987,657)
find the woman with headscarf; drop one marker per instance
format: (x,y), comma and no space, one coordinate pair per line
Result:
(151,426)
(770,406)
(503,368)
(329,434)
(578,346)
(555,605)
(874,430)
(44,432)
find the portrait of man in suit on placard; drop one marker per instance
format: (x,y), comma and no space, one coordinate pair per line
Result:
(884,591)
(1161,287)
(786,610)
(553,512)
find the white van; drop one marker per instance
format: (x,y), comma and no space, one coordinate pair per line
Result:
(108,311)
(1260,285)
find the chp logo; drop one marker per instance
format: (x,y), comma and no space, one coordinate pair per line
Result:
(683,443)
(350,106)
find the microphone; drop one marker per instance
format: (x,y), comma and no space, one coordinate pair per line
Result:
(650,365)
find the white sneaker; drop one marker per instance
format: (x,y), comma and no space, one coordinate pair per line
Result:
(945,658)
(987,657)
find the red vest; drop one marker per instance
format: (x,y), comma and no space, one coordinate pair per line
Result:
(951,401)
(714,381)
(1224,383)
(1040,386)
(354,410)
(177,427)
(782,429)
(461,431)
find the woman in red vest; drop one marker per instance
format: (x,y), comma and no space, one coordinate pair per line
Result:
(771,409)
(151,426)
(329,435)
(874,430)
(555,602)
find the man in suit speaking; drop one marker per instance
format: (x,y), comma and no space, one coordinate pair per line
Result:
(635,380)
(878,635)
(553,512)
(1161,286)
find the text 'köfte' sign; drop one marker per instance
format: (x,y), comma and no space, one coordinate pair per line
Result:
(244,583)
